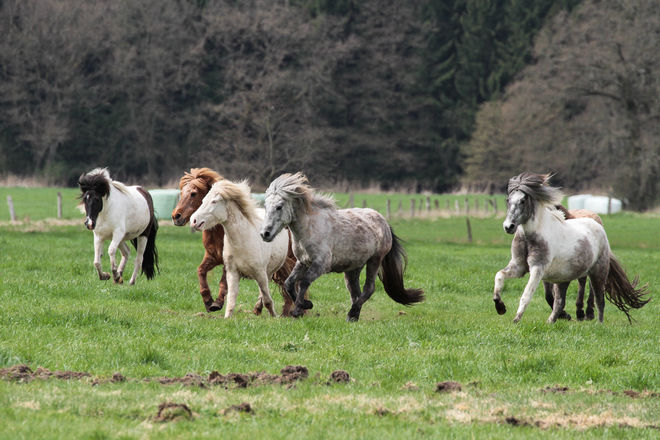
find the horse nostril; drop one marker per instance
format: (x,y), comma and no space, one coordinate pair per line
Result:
(177,216)
(266,234)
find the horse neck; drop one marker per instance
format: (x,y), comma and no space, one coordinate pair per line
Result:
(300,226)
(238,229)
(540,220)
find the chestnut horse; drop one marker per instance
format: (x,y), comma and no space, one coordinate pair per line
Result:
(194,186)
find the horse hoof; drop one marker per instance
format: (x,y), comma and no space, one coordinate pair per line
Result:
(257,311)
(580,315)
(565,316)
(352,318)
(104,276)
(306,304)
(215,306)
(119,280)
(590,317)
(297,313)
(500,307)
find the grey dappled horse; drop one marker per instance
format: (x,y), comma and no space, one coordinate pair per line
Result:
(327,239)
(559,251)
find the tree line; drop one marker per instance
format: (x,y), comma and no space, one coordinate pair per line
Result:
(351,91)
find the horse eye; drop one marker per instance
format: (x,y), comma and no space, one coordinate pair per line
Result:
(193,194)
(522,202)
(279,208)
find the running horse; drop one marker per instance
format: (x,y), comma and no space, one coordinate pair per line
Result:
(328,239)
(553,249)
(194,186)
(119,213)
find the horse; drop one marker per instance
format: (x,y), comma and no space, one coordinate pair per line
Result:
(553,249)
(119,213)
(244,253)
(582,282)
(327,239)
(194,186)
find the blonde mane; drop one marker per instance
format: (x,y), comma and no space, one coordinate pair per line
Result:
(201,178)
(292,187)
(239,193)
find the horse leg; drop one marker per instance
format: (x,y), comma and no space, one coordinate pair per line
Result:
(233,279)
(222,292)
(535,275)
(579,302)
(352,280)
(117,238)
(559,302)
(373,264)
(141,246)
(550,292)
(513,270)
(208,263)
(264,295)
(314,271)
(291,284)
(125,252)
(98,253)
(590,304)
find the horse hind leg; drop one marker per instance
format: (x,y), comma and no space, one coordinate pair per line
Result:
(373,264)
(222,293)
(550,292)
(579,302)
(264,296)
(352,279)
(141,246)
(559,302)
(125,253)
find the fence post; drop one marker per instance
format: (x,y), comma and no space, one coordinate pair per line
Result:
(467,207)
(364,203)
(457,207)
(495,205)
(350,201)
(428,204)
(400,208)
(469,228)
(437,204)
(412,207)
(59,204)
(387,210)
(476,205)
(12,213)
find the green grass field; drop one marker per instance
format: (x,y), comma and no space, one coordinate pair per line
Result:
(56,314)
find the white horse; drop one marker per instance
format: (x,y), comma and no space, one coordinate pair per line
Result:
(119,213)
(326,239)
(244,253)
(559,251)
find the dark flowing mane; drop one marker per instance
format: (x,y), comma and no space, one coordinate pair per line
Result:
(96,180)
(294,187)
(537,187)
(202,178)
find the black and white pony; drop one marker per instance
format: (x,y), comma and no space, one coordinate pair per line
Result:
(556,250)
(119,213)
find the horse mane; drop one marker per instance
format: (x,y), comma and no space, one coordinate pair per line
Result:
(295,187)
(202,178)
(537,187)
(239,193)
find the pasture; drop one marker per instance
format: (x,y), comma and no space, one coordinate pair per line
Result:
(569,380)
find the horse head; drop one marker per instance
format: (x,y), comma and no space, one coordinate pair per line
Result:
(94,187)
(281,196)
(527,193)
(194,186)
(222,203)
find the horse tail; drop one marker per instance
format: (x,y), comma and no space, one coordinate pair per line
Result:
(623,293)
(391,271)
(150,257)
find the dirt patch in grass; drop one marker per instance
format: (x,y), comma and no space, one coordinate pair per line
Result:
(339,376)
(448,387)
(23,373)
(560,390)
(242,408)
(173,412)
(288,375)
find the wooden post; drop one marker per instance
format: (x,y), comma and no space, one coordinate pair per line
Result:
(609,205)
(364,203)
(428,204)
(476,205)
(457,207)
(437,205)
(486,205)
(12,213)
(400,208)
(447,204)
(350,201)
(59,204)
(469,228)
(467,207)
(412,207)
(495,205)
(388,209)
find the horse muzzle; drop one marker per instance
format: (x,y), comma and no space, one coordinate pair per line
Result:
(89,224)
(509,227)
(179,220)
(266,235)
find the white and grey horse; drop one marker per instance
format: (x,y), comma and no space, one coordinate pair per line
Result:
(119,213)
(327,239)
(559,251)
(244,253)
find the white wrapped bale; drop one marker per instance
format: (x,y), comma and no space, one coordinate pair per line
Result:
(577,202)
(165,200)
(599,205)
